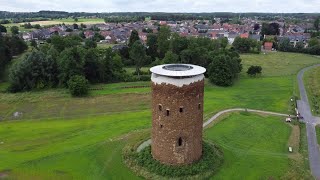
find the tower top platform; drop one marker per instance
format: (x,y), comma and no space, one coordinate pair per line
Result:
(178,70)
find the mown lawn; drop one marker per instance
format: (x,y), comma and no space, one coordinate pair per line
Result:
(59,137)
(255,147)
(311,80)
(78,148)
(278,63)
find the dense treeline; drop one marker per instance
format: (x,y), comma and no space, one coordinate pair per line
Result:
(68,62)
(313,47)
(10,46)
(56,63)
(155,15)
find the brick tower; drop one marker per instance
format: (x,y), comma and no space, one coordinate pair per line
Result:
(177,113)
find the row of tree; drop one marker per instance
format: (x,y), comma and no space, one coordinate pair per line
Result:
(54,64)
(10,46)
(313,46)
(167,48)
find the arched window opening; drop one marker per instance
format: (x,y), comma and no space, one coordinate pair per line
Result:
(168,112)
(161,126)
(181,109)
(160,107)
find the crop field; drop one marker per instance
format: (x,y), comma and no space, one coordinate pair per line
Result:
(55,22)
(59,137)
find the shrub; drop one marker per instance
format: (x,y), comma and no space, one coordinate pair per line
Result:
(254,70)
(78,85)
(210,162)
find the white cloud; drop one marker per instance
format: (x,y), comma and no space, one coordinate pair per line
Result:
(278,6)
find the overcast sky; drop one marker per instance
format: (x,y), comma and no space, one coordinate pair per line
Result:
(276,6)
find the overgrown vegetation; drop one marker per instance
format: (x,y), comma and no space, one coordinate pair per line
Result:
(209,164)
(312,83)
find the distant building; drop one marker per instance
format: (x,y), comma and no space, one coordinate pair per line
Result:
(268,46)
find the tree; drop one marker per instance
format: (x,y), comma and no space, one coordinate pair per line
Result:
(138,55)
(112,68)
(15,44)
(92,65)
(33,43)
(299,46)
(3,29)
(133,38)
(270,29)
(317,24)
(89,43)
(5,54)
(242,44)
(256,27)
(224,68)
(70,63)
(33,71)
(170,58)
(58,43)
(313,42)
(285,45)
(152,47)
(76,19)
(163,40)
(254,70)
(14,30)
(78,86)
(178,44)
(75,26)
(69,30)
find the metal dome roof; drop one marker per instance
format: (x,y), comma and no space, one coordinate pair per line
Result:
(178,70)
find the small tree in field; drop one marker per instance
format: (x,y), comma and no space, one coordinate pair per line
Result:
(78,85)
(254,70)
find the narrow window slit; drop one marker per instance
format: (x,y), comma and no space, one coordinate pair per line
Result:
(168,112)
(181,109)
(160,107)
(180,141)
(199,106)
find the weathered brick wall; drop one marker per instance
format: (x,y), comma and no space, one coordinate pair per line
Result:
(187,125)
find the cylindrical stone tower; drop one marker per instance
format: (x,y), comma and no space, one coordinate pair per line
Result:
(177,113)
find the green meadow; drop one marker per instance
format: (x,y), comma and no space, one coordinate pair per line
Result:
(60,137)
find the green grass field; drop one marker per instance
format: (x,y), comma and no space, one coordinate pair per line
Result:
(59,137)
(55,22)
(312,84)
(255,147)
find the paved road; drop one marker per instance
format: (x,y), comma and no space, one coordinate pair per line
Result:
(311,121)
(148,142)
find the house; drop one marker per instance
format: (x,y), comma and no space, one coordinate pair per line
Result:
(143,36)
(255,37)
(268,46)
(244,35)
(88,34)
(232,36)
